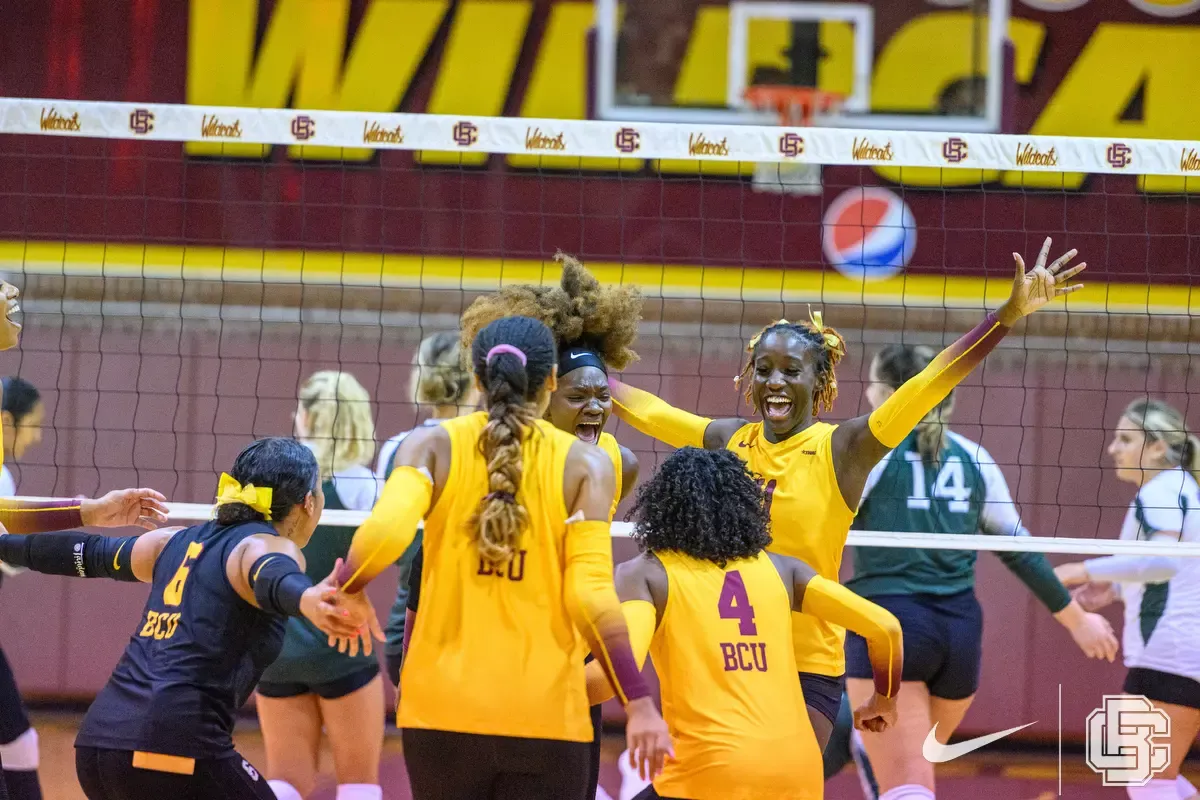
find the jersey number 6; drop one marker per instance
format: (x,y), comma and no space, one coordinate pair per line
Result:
(173,594)
(734,603)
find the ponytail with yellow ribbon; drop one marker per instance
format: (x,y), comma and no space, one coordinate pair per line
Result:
(229,490)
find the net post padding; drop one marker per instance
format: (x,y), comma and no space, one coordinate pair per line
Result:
(795,106)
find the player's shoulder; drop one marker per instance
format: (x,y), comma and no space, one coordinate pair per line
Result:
(973,451)
(1170,487)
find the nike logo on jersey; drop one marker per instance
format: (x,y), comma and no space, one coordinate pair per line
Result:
(938,753)
(743,444)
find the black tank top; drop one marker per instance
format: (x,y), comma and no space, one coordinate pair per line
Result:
(193,660)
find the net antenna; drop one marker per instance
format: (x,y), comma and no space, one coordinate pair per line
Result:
(795,107)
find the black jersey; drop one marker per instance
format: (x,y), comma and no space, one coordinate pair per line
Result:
(193,660)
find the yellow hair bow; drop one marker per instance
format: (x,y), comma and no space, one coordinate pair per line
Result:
(257,497)
(758,336)
(831,340)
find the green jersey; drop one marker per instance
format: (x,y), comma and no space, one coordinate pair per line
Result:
(963,493)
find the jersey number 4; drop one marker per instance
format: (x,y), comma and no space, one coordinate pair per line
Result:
(950,484)
(173,594)
(734,603)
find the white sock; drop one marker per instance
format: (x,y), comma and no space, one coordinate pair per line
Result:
(631,782)
(284,790)
(21,754)
(359,791)
(601,794)
(909,791)
(1157,789)
(1184,788)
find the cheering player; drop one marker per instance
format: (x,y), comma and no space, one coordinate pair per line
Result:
(220,592)
(714,609)
(518,556)
(813,472)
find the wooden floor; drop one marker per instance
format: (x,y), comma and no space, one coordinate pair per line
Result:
(1006,776)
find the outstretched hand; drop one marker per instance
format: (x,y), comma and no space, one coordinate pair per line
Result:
(121,508)
(1035,288)
(347,619)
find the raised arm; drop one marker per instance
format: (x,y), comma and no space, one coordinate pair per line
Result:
(75,554)
(422,464)
(659,419)
(859,443)
(120,508)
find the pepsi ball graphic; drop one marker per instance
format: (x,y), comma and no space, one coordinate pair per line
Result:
(869,233)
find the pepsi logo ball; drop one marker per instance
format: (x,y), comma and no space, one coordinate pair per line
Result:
(869,233)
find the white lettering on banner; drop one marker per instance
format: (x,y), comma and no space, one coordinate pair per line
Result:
(517,135)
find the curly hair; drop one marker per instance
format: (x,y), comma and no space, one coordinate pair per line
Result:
(580,312)
(511,385)
(704,504)
(830,346)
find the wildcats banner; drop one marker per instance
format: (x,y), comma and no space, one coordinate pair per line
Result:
(510,136)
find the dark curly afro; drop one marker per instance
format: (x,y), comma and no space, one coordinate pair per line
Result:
(704,504)
(579,311)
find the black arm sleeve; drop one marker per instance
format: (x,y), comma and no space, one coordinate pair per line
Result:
(278,584)
(71,553)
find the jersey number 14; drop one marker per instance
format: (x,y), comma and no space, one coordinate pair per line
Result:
(950,484)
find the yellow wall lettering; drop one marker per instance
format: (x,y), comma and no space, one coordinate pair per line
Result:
(477,67)
(302,49)
(1089,101)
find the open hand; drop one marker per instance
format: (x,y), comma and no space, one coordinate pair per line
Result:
(1095,595)
(348,619)
(121,508)
(647,738)
(1072,574)
(877,714)
(1037,287)
(10,331)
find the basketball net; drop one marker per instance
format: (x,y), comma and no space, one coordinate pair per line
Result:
(795,106)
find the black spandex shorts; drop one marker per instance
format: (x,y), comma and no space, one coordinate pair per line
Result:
(443,765)
(823,693)
(110,775)
(13,721)
(1163,687)
(326,691)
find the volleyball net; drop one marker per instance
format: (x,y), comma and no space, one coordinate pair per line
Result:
(185,268)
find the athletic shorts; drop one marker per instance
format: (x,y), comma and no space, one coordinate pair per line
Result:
(943,642)
(444,765)
(13,721)
(823,693)
(110,775)
(330,690)
(1163,687)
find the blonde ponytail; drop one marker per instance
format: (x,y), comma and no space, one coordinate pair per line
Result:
(341,430)
(1163,422)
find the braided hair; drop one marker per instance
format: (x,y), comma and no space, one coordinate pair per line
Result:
(830,347)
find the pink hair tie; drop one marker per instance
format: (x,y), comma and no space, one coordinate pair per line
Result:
(506,348)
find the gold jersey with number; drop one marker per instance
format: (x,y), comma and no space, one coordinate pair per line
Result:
(723,654)
(494,650)
(809,521)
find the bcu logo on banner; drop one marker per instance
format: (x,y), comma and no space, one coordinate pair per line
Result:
(1121,740)
(869,233)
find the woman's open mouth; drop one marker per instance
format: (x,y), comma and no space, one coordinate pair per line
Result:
(588,432)
(777,408)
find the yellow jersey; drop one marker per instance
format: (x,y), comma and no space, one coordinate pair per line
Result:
(723,654)
(608,443)
(494,651)
(809,521)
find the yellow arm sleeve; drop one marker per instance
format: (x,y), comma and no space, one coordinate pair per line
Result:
(835,603)
(390,529)
(641,619)
(593,605)
(657,418)
(920,394)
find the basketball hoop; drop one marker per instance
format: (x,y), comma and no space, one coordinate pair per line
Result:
(795,106)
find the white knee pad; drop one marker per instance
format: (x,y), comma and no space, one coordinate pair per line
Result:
(1184,789)
(1157,789)
(909,791)
(284,790)
(359,791)
(21,754)
(631,783)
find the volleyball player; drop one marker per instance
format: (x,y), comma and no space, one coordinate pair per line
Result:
(714,610)
(518,558)
(443,381)
(312,686)
(22,414)
(1153,450)
(813,472)
(936,481)
(220,593)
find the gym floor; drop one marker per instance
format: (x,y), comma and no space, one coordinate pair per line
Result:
(1010,775)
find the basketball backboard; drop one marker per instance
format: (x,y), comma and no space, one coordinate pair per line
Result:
(901,64)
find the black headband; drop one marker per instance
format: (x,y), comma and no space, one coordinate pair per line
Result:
(572,358)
